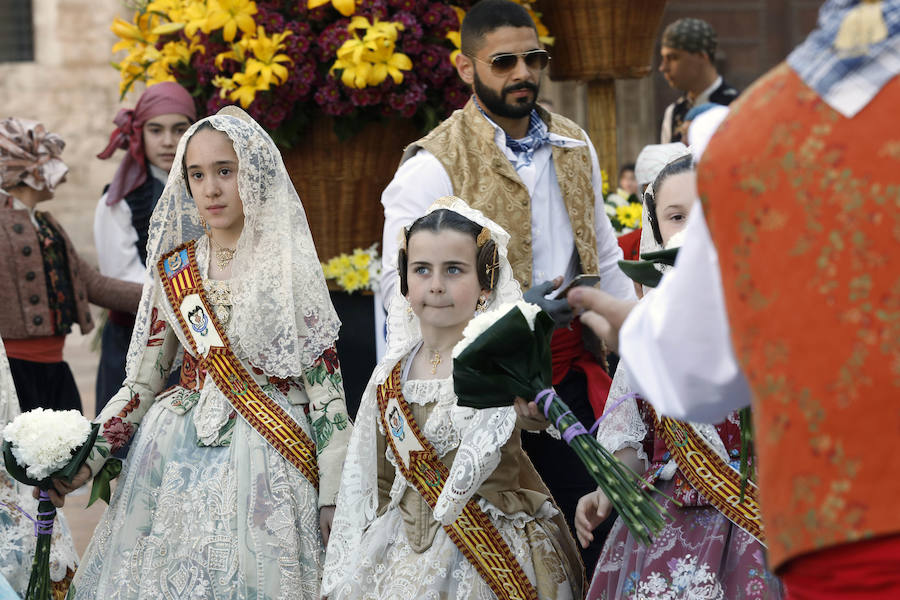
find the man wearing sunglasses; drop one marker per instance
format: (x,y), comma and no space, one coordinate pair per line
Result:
(536,174)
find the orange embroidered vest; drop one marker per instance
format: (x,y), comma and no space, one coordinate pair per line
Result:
(803,208)
(483,176)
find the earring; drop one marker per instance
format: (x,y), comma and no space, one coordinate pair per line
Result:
(482,304)
(409,312)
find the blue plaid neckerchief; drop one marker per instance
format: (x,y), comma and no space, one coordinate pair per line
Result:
(847,83)
(524,148)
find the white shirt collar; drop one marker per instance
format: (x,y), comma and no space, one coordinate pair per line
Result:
(159,174)
(555,139)
(19,205)
(703,96)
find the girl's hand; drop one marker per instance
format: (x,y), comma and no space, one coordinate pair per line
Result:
(592,510)
(60,488)
(528,410)
(326,517)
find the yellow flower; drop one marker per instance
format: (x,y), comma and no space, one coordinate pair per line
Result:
(605,188)
(456,40)
(267,60)
(629,215)
(238,52)
(248,85)
(350,281)
(345,7)
(225,85)
(360,259)
(370,60)
(195,16)
(229,16)
(363,278)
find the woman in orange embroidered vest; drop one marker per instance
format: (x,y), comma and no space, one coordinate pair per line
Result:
(387,540)
(211,499)
(700,553)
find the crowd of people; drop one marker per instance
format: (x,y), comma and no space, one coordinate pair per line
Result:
(220,403)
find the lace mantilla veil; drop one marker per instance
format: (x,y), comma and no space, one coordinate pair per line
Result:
(283,318)
(482,435)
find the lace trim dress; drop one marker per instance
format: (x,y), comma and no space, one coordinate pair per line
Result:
(405,554)
(699,553)
(205,507)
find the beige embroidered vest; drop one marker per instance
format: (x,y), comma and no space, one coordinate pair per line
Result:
(483,176)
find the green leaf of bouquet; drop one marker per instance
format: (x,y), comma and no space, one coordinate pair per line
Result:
(68,472)
(17,472)
(666,256)
(101,487)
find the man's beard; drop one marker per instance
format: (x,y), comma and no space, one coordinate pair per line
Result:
(494,103)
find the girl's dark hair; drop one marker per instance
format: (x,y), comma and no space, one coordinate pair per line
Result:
(486,260)
(201,127)
(682,164)
(626,167)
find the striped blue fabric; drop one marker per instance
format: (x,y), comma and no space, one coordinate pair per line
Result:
(847,83)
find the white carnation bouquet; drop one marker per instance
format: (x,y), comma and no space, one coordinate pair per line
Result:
(39,446)
(506,353)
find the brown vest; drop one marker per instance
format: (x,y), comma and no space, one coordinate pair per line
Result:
(483,176)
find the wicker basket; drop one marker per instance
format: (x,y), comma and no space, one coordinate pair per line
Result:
(601,39)
(340,183)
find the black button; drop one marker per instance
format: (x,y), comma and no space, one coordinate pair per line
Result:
(26,251)
(87,317)
(18,228)
(37,320)
(81,295)
(29,276)
(34,299)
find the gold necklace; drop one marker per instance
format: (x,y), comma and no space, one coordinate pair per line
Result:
(435,361)
(223,255)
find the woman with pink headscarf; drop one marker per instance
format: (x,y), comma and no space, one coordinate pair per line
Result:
(149,134)
(46,285)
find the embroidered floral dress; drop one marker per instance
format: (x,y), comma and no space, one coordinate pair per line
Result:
(205,507)
(699,553)
(405,554)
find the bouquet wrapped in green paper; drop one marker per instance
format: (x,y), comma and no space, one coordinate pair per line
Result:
(506,353)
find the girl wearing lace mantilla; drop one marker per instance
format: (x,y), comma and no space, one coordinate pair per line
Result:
(218,497)
(701,552)
(395,535)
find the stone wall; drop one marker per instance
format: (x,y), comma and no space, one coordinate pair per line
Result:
(73,90)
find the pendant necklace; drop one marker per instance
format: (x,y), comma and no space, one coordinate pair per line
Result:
(224,256)
(435,361)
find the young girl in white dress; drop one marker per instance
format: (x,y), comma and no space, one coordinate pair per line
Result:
(393,537)
(217,499)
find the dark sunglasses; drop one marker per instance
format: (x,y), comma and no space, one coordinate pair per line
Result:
(536,60)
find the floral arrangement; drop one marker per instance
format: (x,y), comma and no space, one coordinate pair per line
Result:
(286,60)
(624,213)
(39,445)
(360,270)
(506,353)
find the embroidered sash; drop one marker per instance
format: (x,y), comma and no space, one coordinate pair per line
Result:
(181,280)
(713,477)
(472,532)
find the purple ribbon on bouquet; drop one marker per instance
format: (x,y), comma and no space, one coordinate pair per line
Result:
(41,526)
(544,396)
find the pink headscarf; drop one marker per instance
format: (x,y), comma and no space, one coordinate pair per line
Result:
(163,98)
(29,154)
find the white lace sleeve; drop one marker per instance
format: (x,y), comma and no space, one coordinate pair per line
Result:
(622,425)
(484,432)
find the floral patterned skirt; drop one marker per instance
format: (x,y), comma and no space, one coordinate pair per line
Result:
(698,555)
(388,567)
(194,522)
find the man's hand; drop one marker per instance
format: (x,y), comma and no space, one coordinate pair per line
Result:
(559,310)
(326,517)
(604,314)
(590,512)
